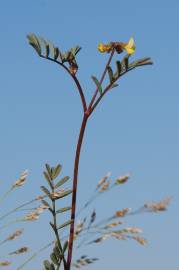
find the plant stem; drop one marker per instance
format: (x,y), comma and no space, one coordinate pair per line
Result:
(87,113)
(56,231)
(75,181)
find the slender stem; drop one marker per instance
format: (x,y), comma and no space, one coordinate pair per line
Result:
(102,78)
(76,165)
(87,112)
(75,182)
(80,90)
(56,231)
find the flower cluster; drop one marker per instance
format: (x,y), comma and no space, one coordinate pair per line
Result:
(118,46)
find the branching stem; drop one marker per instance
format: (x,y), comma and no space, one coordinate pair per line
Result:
(87,112)
(86,115)
(56,231)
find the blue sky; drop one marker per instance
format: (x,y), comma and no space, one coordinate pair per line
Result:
(135,129)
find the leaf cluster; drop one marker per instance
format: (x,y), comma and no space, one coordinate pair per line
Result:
(54,193)
(46,49)
(122,67)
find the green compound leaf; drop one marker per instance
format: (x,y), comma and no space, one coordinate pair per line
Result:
(99,87)
(49,51)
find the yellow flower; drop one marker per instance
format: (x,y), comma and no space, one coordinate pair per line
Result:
(130,46)
(104,47)
(101,47)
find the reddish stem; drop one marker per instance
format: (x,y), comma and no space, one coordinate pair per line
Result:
(87,113)
(75,181)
